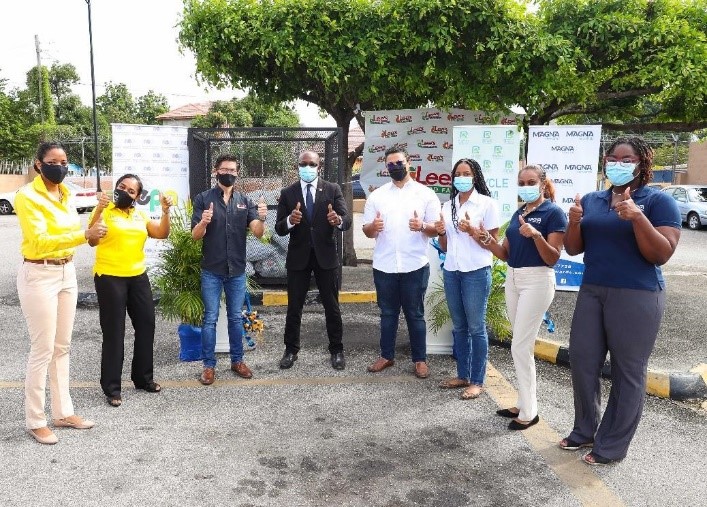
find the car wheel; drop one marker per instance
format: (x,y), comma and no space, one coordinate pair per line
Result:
(5,207)
(693,221)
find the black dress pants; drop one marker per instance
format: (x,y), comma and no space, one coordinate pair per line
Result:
(116,295)
(297,287)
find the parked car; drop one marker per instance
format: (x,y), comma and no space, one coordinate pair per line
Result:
(356,187)
(85,199)
(692,201)
(7,202)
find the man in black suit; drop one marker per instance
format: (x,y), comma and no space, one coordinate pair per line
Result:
(312,211)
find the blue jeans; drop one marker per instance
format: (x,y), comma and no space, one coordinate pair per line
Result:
(406,291)
(212,285)
(467,297)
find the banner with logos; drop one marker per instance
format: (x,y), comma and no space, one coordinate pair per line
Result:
(497,150)
(570,156)
(158,154)
(426,134)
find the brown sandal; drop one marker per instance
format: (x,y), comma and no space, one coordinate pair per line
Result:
(453,383)
(472,392)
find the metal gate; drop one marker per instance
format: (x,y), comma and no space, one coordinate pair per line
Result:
(268,163)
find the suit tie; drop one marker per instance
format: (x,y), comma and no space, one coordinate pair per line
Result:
(309,203)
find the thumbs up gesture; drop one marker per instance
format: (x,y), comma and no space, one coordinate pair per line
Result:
(103,201)
(378,223)
(296,215)
(207,214)
(165,202)
(262,209)
(97,230)
(416,224)
(465,223)
(332,217)
(576,211)
(526,230)
(626,208)
(439,225)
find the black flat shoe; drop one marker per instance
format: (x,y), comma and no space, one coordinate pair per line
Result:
(504,412)
(337,361)
(515,425)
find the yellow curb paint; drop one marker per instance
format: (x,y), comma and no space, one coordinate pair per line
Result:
(701,370)
(546,350)
(658,384)
(579,477)
(279,298)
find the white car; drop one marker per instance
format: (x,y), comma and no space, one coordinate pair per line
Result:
(85,199)
(7,202)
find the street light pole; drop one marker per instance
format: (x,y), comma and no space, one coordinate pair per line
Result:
(93,89)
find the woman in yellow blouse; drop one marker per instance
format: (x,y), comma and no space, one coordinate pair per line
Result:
(122,285)
(47,287)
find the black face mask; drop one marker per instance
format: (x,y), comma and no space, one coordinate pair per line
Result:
(122,199)
(54,172)
(398,173)
(227,180)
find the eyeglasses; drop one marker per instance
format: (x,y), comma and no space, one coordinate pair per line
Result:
(395,165)
(310,164)
(624,160)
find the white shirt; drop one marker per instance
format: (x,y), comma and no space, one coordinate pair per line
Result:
(398,249)
(463,252)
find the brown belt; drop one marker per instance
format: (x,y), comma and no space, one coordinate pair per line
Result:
(55,262)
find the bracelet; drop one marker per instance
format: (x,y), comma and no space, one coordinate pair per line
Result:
(422,227)
(537,236)
(485,239)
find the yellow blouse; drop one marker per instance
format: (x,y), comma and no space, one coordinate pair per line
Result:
(122,251)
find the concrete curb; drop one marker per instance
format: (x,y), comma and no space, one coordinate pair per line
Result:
(675,385)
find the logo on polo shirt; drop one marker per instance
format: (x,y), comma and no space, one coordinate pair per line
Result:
(534,220)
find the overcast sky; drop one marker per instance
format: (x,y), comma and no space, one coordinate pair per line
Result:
(134,42)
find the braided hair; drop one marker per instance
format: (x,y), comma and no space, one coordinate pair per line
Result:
(478,181)
(645,156)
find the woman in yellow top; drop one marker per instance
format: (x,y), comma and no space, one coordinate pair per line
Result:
(122,285)
(47,287)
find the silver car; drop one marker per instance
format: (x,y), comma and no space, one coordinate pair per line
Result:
(692,201)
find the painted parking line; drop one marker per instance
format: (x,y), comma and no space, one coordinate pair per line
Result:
(584,484)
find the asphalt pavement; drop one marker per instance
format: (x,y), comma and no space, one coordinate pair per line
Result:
(313,436)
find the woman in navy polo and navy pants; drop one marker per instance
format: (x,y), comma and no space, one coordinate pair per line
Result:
(626,233)
(532,246)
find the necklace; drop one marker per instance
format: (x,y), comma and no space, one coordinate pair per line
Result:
(621,193)
(527,210)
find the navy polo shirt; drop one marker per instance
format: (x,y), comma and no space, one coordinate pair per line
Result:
(611,254)
(223,249)
(546,218)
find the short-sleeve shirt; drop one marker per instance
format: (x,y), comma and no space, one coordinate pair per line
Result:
(546,218)
(398,249)
(121,252)
(224,245)
(463,252)
(611,254)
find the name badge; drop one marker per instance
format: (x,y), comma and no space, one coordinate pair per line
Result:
(241,206)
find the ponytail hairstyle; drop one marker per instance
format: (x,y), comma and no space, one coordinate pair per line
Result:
(548,186)
(645,156)
(44,148)
(478,181)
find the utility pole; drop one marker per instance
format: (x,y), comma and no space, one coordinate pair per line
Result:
(93,89)
(39,78)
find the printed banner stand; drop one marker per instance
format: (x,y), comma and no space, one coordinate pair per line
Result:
(439,342)
(570,156)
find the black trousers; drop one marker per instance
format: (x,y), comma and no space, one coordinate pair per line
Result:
(116,295)
(297,287)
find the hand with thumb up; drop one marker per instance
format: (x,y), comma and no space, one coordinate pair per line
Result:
(207,214)
(526,230)
(439,226)
(296,215)
(96,231)
(575,212)
(465,223)
(332,216)
(262,209)
(416,224)
(378,223)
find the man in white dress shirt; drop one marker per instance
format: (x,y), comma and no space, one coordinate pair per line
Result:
(400,215)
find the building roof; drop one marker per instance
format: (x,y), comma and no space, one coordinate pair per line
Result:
(187,112)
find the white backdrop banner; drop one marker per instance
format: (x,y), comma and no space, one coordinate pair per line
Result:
(570,156)
(158,155)
(426,134)
(497,150)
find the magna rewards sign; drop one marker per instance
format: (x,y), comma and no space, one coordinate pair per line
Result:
(570,156)
(426,134)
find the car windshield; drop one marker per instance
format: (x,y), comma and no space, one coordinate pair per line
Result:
(697,194)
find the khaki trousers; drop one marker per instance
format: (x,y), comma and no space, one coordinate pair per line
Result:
(529,292)
(48,295)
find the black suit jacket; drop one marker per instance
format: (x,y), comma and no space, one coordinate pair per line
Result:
(319,234)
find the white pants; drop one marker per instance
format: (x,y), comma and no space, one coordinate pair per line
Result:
(529,292)
(48,295)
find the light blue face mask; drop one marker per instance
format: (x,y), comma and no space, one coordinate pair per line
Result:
(529,193)
(307,173)
(620,173)
(463,183)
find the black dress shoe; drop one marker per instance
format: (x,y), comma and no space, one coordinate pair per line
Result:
(288,359)
(337,361)
(515,425)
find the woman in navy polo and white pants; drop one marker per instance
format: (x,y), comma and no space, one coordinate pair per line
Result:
(626,233)
(531,247)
